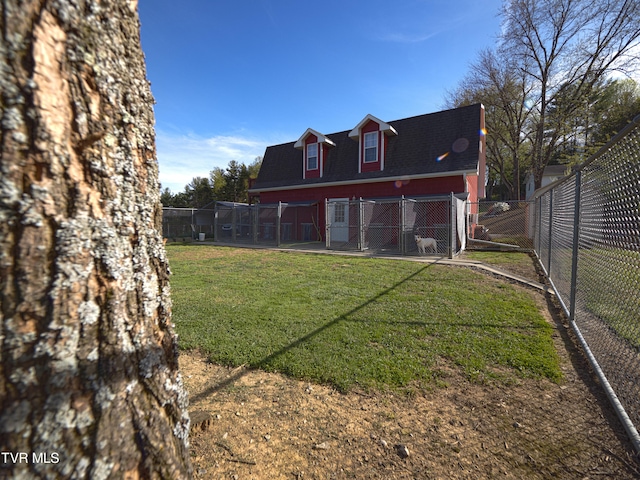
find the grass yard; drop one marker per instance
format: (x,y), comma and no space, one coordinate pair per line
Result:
(510,261)
(356,322)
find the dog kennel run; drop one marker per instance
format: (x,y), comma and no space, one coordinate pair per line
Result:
(392,225)
(380,225)
(187,223)
(266,224)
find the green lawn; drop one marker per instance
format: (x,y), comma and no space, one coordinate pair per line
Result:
(355,322)
(500,259)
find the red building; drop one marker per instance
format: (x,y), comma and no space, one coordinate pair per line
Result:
(427,155)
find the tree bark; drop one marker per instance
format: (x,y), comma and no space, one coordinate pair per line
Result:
(89,380)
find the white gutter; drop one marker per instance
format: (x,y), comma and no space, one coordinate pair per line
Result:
(363,181)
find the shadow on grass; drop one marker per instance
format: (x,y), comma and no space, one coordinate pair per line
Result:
(265,361)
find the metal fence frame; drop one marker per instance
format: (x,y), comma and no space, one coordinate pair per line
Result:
(266,224)
(390,225)
(183,223)
(587,240)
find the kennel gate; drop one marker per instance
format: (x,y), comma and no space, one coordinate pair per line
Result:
(390,225)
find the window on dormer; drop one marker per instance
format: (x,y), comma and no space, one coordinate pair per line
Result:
(371,147)
(312,156)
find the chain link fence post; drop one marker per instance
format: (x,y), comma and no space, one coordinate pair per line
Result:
(256,222)
(216,236)
(401,230)
(550,239)
(278,218)
(327,224)
(576,247)
(452,226)
(361,245)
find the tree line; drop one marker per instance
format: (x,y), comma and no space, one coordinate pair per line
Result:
(556,87)
(229,184)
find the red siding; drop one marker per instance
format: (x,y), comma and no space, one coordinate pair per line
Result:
(371,126)
(409,188)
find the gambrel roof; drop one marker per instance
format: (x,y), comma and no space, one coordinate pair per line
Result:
(435,144)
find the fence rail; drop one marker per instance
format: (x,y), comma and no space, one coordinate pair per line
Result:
(587,239)
(396,225)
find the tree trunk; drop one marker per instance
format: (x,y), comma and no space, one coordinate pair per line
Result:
(89,381)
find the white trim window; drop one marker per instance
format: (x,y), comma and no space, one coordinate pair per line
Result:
(339,215)
(370,147)
(312,156)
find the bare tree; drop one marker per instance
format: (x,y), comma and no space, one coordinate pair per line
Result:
(494,81)
(89,381)
(565,47)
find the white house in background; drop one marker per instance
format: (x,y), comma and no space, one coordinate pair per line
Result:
(550,175)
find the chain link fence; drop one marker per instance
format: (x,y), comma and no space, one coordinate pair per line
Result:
(587,238)
(501,225)
(401,226)
(181,224)
(404,226)
(272,224)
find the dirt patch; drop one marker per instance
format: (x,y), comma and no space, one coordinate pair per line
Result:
(248,424)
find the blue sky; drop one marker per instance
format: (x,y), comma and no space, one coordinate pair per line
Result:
(232,77)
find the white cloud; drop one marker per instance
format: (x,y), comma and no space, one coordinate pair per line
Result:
(407,38)
(412,25)
(182,157)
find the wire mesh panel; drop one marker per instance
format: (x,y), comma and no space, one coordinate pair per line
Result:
(544,229)
(243,223)
(404,226)
(561,238)
(224,223)
(502,224)
(428,222)
(608,299)
(594,264)
(267,225)
(299,223)
(381,226)
(187,223)
(177,223)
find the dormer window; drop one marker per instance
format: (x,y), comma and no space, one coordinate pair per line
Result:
(372,143)
(370,147)
(315,148)
(312,156)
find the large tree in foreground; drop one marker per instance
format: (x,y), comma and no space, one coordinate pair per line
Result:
(89,381)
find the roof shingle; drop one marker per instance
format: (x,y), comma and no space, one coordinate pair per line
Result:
(416,150)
